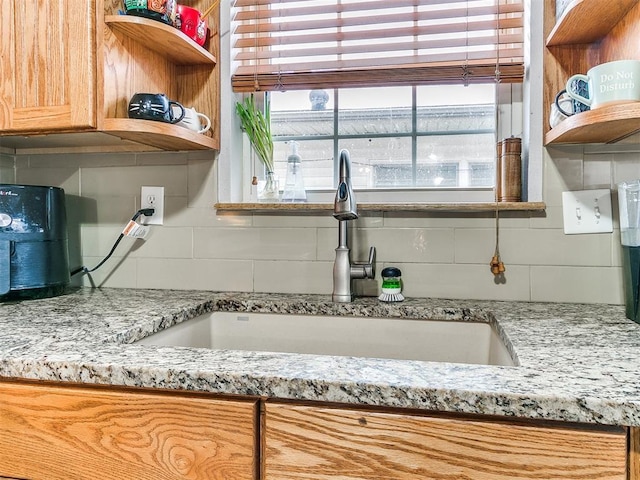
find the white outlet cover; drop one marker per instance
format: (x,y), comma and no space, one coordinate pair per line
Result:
(587,211)
(157,193)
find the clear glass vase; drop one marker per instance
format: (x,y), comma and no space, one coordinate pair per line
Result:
(270,191)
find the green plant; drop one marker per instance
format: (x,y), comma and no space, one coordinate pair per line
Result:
(257,126)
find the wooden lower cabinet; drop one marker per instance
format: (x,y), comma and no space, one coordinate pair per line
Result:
(56,432)
(63,433)
(309,442)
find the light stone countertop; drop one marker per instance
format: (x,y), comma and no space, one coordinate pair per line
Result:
(577,363)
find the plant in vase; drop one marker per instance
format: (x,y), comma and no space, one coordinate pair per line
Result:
(257,126)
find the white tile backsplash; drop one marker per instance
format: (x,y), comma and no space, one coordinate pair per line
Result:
(598,171)
(66,178)
(201,182)
(553,247)
(562,171)
(551,218)
(313,220)
(97,240)
(165,243)
(464,281)
(128,180)
(255,243)
(100,210)
(440,254)
(626,167)
(195,274)
(576,284)
(116,272)
(285,276)
(92,160)
(7,169)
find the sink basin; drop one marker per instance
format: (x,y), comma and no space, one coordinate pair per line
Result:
(391,338)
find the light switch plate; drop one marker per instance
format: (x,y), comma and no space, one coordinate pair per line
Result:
(587,211)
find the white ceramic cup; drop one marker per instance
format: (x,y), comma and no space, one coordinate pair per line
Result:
(609,82)
(555,116)
(195,120)
(563,107)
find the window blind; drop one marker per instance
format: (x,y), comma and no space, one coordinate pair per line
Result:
(306,44)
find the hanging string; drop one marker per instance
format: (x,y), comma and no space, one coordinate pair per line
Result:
(497,266)
(256,84)
(279,86)
(465,67)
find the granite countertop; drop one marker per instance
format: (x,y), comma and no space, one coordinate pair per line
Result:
(577,363)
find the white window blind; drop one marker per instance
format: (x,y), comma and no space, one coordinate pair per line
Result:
(305,44)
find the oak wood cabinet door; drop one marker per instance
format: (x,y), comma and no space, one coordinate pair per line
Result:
(48,65)
(62,433)
(305,442)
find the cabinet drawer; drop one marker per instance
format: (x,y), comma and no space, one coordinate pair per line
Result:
(62,433)
(303,442)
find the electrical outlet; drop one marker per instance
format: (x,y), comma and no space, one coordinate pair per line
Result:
(587,211)
(152,197)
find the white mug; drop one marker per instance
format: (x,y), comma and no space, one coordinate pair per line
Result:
(609,82)
(563,107)
(555,116)
(195,120)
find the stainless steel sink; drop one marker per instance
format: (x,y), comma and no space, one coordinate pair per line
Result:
(392,338)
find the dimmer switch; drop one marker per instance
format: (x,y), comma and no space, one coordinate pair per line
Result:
(587,211)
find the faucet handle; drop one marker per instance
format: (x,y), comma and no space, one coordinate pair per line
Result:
(369,268)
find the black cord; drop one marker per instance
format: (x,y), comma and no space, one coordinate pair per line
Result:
(147,212)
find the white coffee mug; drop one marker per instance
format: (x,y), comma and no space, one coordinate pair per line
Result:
(609,82)
(555,116)
(563,107)
(195,120)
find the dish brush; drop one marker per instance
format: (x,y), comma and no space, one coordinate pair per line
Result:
(391,285)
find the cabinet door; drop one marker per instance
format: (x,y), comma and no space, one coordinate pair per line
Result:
(47,65)
(303,442)
(62,433)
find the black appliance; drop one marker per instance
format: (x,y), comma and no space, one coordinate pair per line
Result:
(34,260)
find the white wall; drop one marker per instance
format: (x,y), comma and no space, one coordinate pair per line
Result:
(440,255)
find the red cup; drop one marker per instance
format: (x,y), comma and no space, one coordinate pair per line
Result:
(190,23)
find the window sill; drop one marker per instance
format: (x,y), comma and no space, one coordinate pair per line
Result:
(389,207)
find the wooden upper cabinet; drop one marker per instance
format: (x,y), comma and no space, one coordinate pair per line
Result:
(62,433)
(48,70)
(69,68)
(303,442)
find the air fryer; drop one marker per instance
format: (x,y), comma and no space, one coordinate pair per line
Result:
(33,242)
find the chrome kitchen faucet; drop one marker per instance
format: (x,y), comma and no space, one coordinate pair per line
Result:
(345,209)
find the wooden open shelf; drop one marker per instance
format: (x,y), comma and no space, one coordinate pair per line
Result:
(586,21)
(161,38)
(605,124)
(158,134)
(285,207)
(117,134)
(589,33)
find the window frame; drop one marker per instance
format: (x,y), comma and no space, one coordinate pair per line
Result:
(415,134)
(508,124)
(233,176)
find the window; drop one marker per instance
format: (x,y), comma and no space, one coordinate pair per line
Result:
(409,87)
(398,137)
